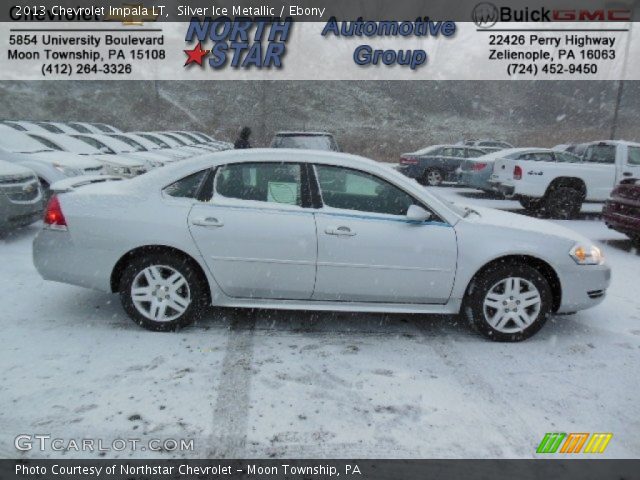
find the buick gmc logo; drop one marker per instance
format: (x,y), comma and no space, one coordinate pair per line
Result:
(486,15)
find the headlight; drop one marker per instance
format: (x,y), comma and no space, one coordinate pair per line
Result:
(587,255)
(115,170)
(67,171)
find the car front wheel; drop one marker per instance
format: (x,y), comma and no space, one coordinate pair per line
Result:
(508,303)
(162,292)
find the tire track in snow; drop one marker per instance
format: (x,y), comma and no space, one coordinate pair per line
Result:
(231,410)
(449,350)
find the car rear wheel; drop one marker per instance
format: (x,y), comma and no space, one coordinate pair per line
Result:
(433,177)
(508,303)
(563,203)
(162,292)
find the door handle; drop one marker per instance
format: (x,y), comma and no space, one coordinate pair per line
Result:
(340,231)
(207,222)
(627,174)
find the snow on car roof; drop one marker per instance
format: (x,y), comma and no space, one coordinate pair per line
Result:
(308,134)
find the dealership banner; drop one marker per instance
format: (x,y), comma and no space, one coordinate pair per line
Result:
(318,469)
(301,41)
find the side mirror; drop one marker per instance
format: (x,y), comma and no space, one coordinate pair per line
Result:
(417,214)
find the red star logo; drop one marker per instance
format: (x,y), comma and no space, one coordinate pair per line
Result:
(195,55)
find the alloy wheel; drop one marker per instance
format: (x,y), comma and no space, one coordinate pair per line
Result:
(512,305)
(160,293)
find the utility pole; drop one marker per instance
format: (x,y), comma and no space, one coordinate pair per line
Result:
(616,110)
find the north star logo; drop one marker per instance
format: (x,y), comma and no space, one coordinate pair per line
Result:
(240,43)
(195,55)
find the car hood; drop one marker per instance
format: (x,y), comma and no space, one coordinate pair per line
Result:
(514,221)
(8,169)
(66,159)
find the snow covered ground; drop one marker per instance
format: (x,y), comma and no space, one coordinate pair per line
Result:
(290,384)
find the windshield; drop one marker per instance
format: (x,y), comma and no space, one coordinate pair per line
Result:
(161,143)
(97,144)
(132,143)
(189,137)
(51,128)
(79,128)
(46,142)
(103,128)
(308,142)
(73,144)
(179,140)
(17,142)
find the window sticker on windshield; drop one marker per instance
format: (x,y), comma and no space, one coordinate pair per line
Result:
(283,192)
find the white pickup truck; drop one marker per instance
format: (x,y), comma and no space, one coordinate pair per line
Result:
(556,182)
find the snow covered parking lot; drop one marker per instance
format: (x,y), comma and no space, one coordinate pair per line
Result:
(294,384)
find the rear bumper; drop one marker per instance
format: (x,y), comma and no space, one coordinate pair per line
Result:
(475,180)
(57,258)
(583,286)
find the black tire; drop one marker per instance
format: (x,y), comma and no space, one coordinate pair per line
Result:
(432,177)
(530,204)
(197,288)
(563,203)
(474,309)
(635,239)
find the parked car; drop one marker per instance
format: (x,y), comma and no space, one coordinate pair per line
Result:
(108,144)
(114,164)
(477,172)
(181,141)
(622,211)
(559,184)
(219,143)
(20,196)
(105,128)
(196,141)
(488,143)
(311,230)
(48,162)
(306,140)
(23,126)
(433,165)
(166,155)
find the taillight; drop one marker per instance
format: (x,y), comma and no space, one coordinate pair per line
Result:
(479,166)
(517,173)
(408,161)
(53,215)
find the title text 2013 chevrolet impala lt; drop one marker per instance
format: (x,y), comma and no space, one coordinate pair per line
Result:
(311,230)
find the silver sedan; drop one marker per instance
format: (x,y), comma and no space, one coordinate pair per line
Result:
(311,230)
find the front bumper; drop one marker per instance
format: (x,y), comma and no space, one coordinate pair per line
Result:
(16,213)
(583,286)
(621,217)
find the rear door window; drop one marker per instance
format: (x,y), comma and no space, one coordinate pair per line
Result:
(261,182)
(600,154)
